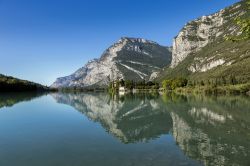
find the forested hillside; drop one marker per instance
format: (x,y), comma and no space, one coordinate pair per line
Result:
(12,84)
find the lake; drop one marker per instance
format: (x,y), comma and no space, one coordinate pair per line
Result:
(98,129)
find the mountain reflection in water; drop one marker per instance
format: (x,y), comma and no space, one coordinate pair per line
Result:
(213,130)
(152,129)
(131,118)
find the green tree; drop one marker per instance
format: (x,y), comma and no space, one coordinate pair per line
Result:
(167,84)
(232,80)
(122,82)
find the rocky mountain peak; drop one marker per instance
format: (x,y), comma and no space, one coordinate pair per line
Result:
(136,40)
(129,43)
(128,58)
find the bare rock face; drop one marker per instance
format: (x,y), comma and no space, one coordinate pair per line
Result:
(153,76)
(199,33)
(199,67)
(129,58)
(201,51)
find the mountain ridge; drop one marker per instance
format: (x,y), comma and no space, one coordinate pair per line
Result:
(128,58)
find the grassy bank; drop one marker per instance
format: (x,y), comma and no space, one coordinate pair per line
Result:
(214,90)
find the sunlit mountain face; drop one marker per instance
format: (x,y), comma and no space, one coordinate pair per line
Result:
(129,59)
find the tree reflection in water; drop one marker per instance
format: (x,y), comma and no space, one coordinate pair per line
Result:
(214,130)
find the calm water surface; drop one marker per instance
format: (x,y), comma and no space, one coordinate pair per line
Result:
(77,129)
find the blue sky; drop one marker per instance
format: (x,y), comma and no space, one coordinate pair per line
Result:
(41,40)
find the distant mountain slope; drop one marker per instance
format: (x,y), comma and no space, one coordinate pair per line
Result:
(200,50)
(129,58)
(12,84)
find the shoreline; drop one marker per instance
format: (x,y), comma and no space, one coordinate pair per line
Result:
(239,89)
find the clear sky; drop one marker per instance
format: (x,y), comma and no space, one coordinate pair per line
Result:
(41,40)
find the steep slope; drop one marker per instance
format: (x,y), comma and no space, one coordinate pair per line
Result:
(200,50)
(129,58)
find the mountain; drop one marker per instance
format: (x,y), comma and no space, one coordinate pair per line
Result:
(200,50)
(129,58)
(11,84)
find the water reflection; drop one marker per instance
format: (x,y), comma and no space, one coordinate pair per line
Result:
(213,130)
(10,99)
(130,118)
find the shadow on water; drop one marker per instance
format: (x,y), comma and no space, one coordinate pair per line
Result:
(213,130)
